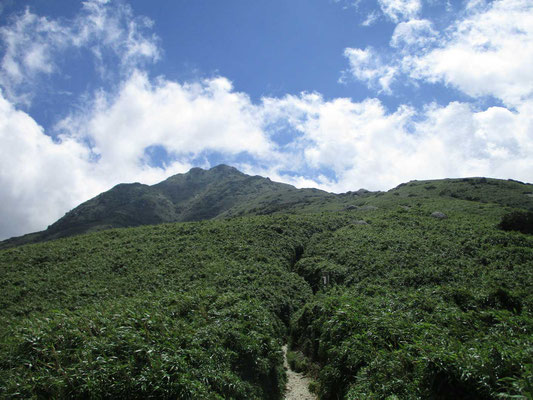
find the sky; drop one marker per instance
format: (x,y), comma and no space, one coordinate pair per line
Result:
(333,94)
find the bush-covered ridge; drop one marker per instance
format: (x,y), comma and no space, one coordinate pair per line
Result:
(384,301)
(196,195)
(224,192)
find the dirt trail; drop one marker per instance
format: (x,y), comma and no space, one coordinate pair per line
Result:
(297,384)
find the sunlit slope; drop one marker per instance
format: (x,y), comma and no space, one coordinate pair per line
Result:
(413,306)
(483,190)
(190,310)
(382,298)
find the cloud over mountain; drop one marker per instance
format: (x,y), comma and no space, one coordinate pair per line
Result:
(305,139)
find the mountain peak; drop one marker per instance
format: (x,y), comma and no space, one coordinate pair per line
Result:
(199,174)
(199,194)
(223,191)
(225,168)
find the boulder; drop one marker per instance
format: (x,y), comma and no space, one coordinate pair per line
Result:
(439,215)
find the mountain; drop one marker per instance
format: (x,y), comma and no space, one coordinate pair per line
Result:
(225,192)
(419,292)
(199,194)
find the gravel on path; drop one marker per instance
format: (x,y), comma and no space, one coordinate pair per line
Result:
(297,383)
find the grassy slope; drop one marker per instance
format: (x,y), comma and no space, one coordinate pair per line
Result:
(414,307)
(417,307)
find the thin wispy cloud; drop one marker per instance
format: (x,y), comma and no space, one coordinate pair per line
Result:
(35,46)
(366,65)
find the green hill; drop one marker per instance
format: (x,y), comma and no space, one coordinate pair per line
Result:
(199,194)
(224,192)
(414,293)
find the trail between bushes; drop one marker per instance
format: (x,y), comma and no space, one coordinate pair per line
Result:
(297,384)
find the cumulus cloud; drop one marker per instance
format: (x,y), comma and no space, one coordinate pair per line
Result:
(398,10)
(367,66)
(40,178)
(186,119)
(32,44)
(487,53)
(368,146)
(413,35)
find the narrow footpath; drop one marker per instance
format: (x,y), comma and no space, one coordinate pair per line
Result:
(297,383)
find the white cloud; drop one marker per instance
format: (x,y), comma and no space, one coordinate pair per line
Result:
(29,43)
(398,10)
(32,44)
(413,35)
(487,53)
(102,26)
(367,66)
(371,19)
(40,179)
(186,119)
(367,146)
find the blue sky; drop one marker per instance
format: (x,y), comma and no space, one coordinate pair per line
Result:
(331,94)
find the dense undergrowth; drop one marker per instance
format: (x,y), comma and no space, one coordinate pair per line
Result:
(195,310)
(419,308)
(378,299)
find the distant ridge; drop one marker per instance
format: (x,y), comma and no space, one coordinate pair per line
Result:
(224,192)
(199,194)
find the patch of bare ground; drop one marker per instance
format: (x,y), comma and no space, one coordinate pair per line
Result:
(297,383)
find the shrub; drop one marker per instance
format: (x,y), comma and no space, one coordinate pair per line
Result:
(297,361)
(313,387)
(521,221)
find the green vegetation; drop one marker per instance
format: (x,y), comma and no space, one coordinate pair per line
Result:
(220,192)
(419,308)
(188,311)
(521,221)
(297,361)
(377,299)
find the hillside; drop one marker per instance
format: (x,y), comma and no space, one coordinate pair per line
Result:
(199,194)
(224,192)
(376,297)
